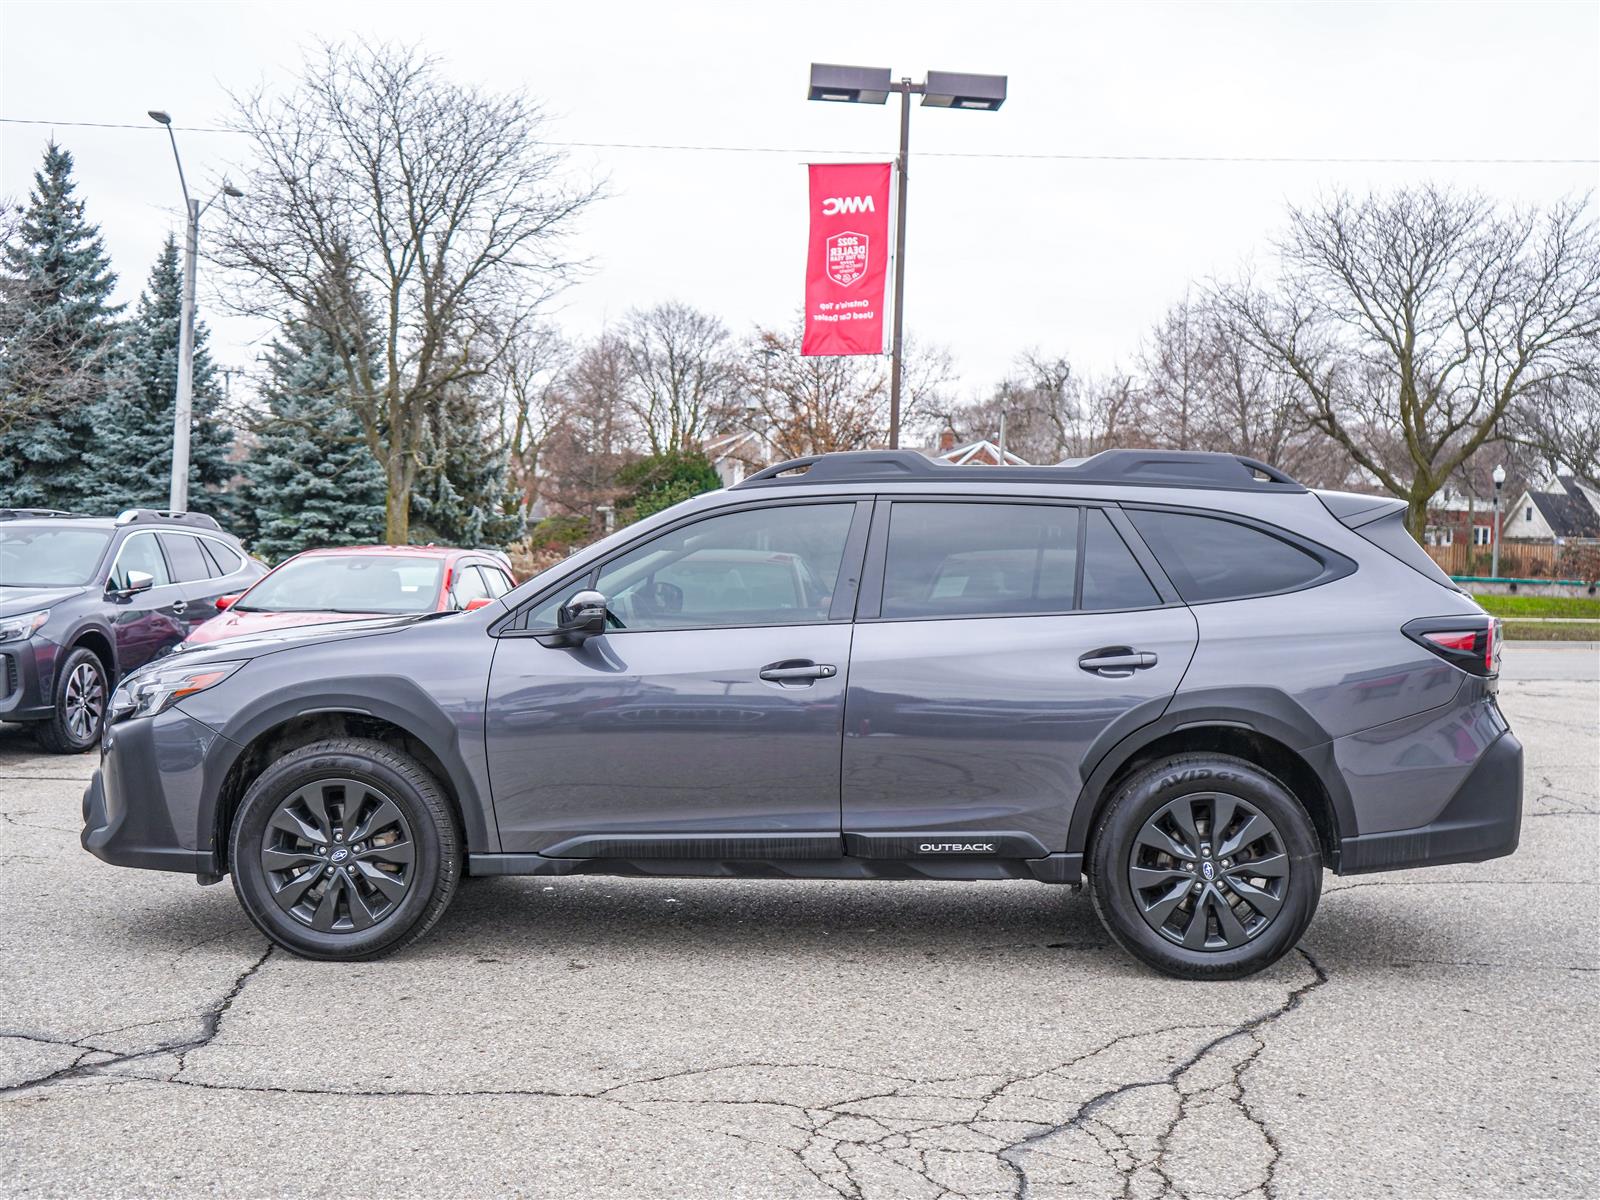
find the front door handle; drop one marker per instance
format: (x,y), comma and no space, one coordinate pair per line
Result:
(797,671)
(178,607)
(1116,662)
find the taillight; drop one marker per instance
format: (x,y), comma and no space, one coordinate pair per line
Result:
(1470,643)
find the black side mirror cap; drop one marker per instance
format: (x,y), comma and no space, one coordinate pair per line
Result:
(578,620)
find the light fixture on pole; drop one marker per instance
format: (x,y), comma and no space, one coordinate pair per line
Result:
(940,89)
(1494,534)
(183,414)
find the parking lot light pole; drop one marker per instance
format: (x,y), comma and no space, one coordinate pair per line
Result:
(1494,553)
(941,89)
(183,414)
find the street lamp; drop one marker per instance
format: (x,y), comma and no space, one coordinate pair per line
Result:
(1499,477)
(940,89)
(182,417)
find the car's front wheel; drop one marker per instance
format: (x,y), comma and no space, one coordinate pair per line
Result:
(345,849)
(78,706)
(1205,866)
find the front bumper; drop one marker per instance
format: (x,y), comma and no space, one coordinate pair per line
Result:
(27,678)
(1482,820)
(146,805)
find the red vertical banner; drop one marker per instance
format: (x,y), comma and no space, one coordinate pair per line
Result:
(847,258)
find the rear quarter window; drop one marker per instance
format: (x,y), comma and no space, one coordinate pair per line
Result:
(1211,558)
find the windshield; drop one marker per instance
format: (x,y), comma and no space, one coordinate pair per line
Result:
(353,583)
(49,555)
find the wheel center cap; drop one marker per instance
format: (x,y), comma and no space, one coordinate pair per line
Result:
(341,854)
(1208,869)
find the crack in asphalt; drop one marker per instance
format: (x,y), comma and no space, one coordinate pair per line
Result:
(845,1145)
(1172,1079)
(210,1026)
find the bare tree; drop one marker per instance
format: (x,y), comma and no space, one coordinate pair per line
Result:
(1176,361)
(1418,320)
(529,378)
(592,438)
(1559,421)
(817,404)
(379,181)
(1052,412)
(1207,388)
(681,370)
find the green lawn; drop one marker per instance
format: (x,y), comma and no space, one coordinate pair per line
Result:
(1537,631)
(1541,606)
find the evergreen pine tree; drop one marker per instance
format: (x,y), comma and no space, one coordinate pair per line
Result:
(58,341)
(129,459)
(310,479)
(465,498)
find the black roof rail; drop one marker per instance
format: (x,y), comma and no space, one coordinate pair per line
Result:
(17,514)
(1203,469)
(138,516)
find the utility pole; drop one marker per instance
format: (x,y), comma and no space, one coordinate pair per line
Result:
(1494,554)
(897,338)
(183,416)
(183,410)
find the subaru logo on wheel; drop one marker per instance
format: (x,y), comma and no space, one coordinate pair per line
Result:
(341,854)
(1209,870)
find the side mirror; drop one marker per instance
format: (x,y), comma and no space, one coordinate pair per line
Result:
(138,581)
(228,601)
(478,602)
(579,619)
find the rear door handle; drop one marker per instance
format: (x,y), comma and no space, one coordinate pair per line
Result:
(797,671)
(178,606)
(1116,662)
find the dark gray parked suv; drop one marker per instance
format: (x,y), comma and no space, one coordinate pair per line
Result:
(84,600)
(1183,677)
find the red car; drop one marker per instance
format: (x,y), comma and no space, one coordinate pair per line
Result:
(351,582)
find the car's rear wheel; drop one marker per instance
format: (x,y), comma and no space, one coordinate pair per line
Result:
(79,705)
(345,849)
(1205,866)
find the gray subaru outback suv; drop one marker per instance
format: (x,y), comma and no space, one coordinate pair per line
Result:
(1181,678)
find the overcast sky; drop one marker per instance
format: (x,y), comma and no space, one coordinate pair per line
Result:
(1074,257)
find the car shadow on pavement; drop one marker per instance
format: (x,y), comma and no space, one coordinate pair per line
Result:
(592,918)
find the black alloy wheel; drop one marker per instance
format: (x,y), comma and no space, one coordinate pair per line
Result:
(339,855)
(1208,871)
(1205,866)
(345,849)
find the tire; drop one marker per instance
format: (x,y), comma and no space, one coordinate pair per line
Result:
(1134,877)
(82,695)
(352,900)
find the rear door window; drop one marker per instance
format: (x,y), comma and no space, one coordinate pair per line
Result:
(1112,577)
(188,561)
(980,560)
(224,559)
(1209,558)
(499,582)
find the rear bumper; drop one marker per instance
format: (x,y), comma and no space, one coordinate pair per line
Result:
(1482,820)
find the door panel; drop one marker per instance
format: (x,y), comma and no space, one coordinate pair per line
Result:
(192,573)
(147,623)
(980,725)
(671,733)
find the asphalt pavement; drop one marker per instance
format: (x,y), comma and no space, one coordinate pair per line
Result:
(1435,1034)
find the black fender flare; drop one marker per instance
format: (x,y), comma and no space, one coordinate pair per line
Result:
(422,719)
(1266,711)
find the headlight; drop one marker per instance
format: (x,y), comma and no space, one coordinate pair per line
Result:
(156,689)
(16,629)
